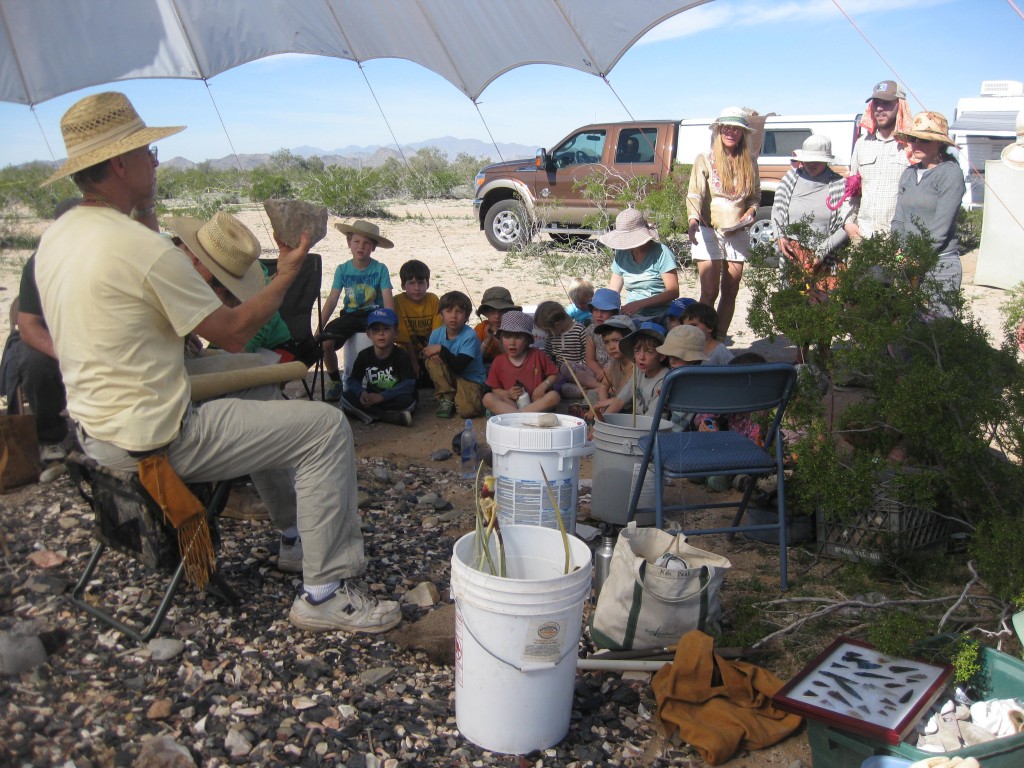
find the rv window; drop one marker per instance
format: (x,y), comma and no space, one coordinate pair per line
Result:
(782,143)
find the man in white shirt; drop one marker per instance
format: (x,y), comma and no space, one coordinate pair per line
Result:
(880,161)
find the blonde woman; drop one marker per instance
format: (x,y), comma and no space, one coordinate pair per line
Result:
(721,203)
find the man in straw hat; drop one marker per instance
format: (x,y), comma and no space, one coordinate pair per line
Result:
(120,299)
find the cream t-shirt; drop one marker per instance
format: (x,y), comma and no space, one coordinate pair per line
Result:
(119,299)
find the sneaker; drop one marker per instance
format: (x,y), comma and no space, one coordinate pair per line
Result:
(289,557)
(401,418)
(445,408)
(245,504)
(348,609)
(52,452)
(334,393)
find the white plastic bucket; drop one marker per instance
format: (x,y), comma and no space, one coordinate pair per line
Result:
(519,449)
(356,343)
(617,458)
(516,638)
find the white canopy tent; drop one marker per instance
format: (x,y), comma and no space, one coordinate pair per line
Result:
(52,47)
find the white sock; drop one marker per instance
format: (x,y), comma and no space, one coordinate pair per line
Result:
(320,592)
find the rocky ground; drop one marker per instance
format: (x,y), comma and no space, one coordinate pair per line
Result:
(241,686)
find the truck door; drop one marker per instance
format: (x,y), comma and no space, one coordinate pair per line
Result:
(574,159)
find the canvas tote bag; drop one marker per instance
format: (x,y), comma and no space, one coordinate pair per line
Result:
(644,605)
(19,451)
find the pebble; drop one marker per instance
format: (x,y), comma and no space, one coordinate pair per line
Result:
(163,752)
(20,653)
(67,523)
(427,499)
(442,454)
(381,474)
(431,521)
(159,709)
(423,594)
(236,744)
(377,676)
(165,648)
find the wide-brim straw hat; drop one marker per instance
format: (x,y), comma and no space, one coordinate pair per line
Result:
(1013,156)
(100,127)
(366,229)
(631,231)
(930,126)
(734,116)
(685,342)
(227,248)
(815,149)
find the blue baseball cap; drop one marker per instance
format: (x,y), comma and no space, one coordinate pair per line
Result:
(677,307)
(382,316)
(649,329)
(605,299)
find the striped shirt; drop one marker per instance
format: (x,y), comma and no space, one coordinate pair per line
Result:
(880,163)
(570,347)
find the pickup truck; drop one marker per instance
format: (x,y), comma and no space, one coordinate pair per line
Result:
(516,199)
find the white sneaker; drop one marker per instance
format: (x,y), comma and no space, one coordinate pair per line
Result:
(52,452)
(289,557)
(348,609)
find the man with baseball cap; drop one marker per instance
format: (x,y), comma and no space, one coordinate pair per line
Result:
(879,159)
(119,300)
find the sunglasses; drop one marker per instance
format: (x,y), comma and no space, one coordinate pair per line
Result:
(913,140)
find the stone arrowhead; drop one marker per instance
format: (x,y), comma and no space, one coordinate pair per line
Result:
(290,217)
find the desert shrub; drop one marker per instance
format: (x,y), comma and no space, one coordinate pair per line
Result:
(968,228)
(265,184)
(346,191)
(20,186)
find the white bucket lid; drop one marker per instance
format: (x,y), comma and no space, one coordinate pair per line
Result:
(520,432)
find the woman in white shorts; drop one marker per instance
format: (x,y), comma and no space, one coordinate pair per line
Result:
(721,202)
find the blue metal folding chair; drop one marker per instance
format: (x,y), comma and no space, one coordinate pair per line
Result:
(720,390)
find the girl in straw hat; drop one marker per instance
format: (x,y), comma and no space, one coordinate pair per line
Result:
(929,196)
(721,203)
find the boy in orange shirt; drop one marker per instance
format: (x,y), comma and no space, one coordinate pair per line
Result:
(417,311)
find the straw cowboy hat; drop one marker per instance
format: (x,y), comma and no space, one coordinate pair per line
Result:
(685,342)
(930,126)
(631,231)
(366,229)
(227,248)
(100,127)
(735,116)
(1013,154)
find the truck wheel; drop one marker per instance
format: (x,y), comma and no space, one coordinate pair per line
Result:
(506,225)
(761,229)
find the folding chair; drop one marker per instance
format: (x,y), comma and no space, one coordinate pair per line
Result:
(296,311)
(720,390)
(129,520)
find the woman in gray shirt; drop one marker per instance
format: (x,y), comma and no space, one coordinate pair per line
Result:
(929,197)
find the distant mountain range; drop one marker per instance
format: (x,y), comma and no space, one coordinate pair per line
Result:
(371,156)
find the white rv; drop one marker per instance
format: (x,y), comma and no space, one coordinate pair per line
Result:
(982,126)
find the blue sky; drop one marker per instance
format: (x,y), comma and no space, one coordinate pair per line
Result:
(783,56)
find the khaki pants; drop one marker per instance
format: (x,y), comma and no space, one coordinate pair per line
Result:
(227,438)
(466,394)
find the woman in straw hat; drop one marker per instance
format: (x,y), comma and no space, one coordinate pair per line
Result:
(642,265)
(929,197)
(721,203)
(812,194)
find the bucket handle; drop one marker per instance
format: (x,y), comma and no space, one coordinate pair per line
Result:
(530,667)
(574,453)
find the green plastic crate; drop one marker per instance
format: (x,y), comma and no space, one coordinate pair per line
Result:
(1004,679)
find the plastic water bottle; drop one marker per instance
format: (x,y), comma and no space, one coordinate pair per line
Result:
(469,450)
(603,563)
(524,399)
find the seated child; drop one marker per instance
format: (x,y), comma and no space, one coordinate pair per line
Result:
(743,423)
(704,317)
(381,385)
(417,312)
(567,344)
(684,346)
(496,301)
(454,361)
(366,285)
(603,307)
(580,293)
(643,393)
(671,317)
(618,373)
(522,369)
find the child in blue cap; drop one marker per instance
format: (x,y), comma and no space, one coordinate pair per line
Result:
(382,384)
